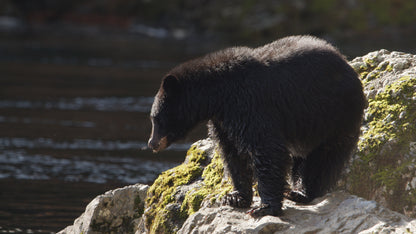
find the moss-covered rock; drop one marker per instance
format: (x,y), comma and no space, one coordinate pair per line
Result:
(383,167)
(180,191)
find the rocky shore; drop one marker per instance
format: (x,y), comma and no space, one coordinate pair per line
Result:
(381,175)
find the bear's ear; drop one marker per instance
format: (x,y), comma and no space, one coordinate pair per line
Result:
(170,83)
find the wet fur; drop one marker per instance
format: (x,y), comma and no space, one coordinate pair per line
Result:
(292,107)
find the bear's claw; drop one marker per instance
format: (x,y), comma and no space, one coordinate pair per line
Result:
(263,210)
(297,196)
(235,199)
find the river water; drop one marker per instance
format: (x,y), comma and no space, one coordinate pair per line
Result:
(74,123)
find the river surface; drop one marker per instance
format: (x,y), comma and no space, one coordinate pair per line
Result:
(74,123)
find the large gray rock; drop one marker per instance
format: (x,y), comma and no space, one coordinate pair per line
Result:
(337,212)
(379,69)
(116,211)
(383,168)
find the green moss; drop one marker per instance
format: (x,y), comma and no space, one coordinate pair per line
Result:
(363,75)
(390,127)
(213,187)
(370,70)
(370,62)
(196,155)
(193,200)
(362,68)
(386,107)
(372,75)
(162,192)
(213,177)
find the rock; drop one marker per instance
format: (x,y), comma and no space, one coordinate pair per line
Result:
(116,211)
(382,68)
(383,167)
(336,212)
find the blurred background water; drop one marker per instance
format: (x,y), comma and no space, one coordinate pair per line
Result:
(74,123)
(77,80)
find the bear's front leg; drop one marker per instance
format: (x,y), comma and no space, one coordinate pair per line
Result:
(271,169)
(241,172)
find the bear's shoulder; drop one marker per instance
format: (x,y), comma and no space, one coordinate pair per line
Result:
(219,61)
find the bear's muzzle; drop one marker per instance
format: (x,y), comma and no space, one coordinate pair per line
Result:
(157,144)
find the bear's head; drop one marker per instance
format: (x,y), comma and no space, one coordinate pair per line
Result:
(167,115)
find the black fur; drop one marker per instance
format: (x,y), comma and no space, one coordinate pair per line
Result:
(292,107)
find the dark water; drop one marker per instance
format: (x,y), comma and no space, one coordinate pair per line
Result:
(74,123)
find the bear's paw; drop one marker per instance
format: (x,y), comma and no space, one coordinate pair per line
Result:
(236,199)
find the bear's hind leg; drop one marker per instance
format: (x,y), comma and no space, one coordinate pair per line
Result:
(324,166)
(296,192)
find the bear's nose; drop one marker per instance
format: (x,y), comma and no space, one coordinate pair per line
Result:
(153,143)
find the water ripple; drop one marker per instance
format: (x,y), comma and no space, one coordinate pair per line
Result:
(89,144)
(129,104)
(18,164)
(65,123)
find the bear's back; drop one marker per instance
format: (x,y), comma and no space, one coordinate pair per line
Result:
(292,46)
(304,64)
(305,83)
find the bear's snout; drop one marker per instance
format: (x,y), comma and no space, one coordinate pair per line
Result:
(157,144)
(153,143)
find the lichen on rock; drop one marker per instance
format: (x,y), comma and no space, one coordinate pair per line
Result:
(382,169)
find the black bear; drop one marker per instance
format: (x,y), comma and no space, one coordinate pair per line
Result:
(289,109)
